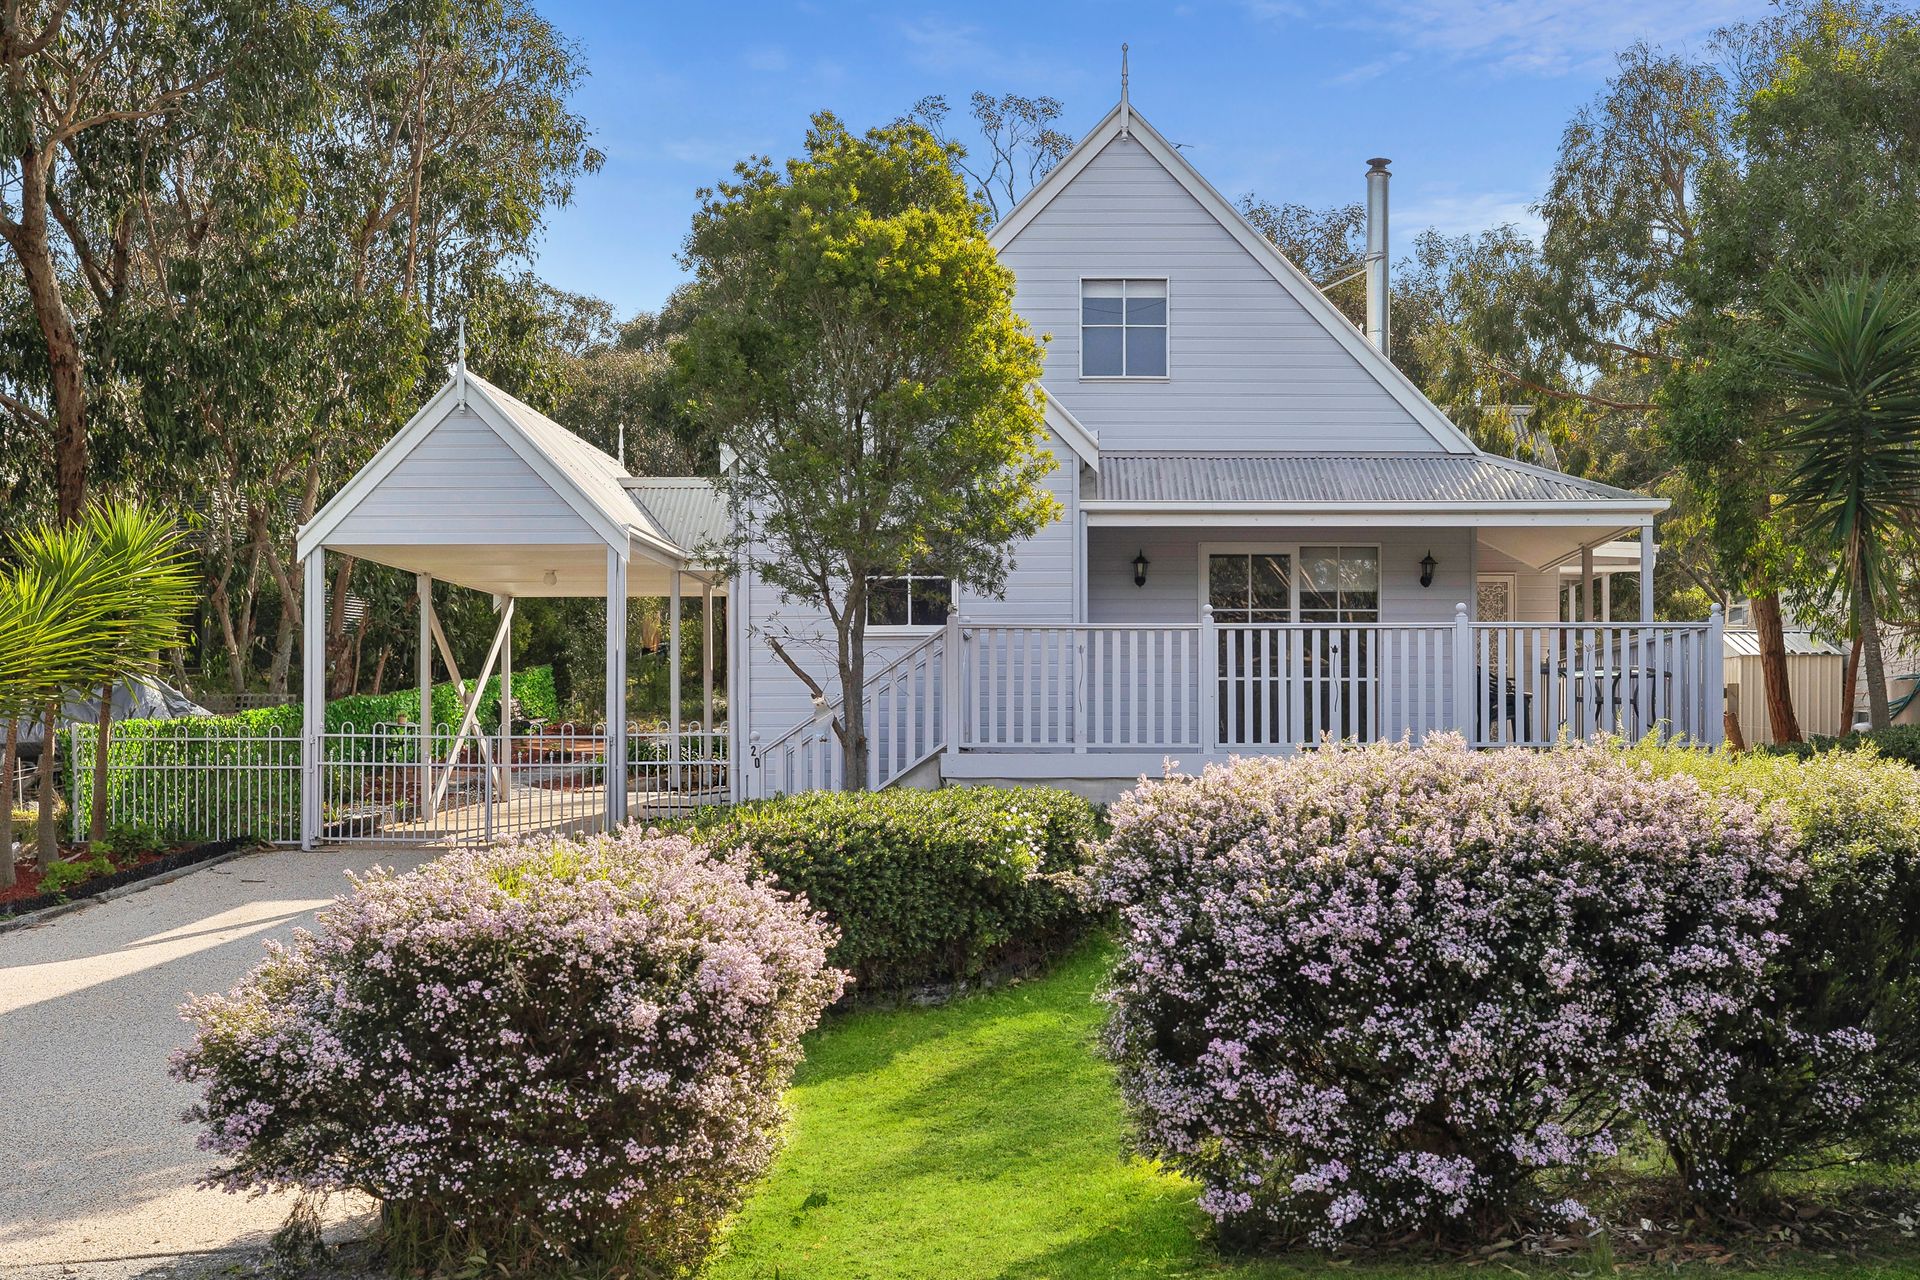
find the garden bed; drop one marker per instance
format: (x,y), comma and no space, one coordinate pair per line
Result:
(25,895)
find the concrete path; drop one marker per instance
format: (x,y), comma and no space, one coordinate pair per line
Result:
(95,1163)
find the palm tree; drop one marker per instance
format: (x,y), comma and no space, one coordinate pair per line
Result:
(86,606)
(1849,363)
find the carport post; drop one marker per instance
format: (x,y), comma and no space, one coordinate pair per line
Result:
(706,668)
(506,700)
(673,676)
(313,691)
(616,688)
(423,663)
(1646,572)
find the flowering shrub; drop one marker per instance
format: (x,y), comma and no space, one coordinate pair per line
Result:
(1377,988)
(924,886)
(1826,1064)
(561,1046)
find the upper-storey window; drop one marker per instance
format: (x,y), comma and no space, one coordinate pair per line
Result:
(1123,328)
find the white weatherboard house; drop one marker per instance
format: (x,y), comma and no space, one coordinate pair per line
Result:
(1269,535)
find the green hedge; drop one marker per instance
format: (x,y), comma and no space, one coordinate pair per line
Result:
(239,773)
(924,886)
(1901,742)
(1803,1091)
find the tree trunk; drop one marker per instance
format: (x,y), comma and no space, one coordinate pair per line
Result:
(66,370)
(380,672)
(340,673)
(1879,715)
(1773,665)
(1850,693)
(97,819)
(6,805)
(48,851)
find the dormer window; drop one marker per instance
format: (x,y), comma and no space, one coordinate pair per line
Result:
(1123,328)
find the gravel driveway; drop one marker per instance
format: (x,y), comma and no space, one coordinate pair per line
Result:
(95,1165)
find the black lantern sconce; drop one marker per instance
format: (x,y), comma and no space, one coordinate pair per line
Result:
(1140,563)
(1427,565)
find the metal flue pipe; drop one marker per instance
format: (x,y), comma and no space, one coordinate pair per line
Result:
(1377,326)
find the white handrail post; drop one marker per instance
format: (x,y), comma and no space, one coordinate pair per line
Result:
(951,688)
(1714,699)
(1209,682)
(1463,699)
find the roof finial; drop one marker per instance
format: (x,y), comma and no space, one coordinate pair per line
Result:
(1126,108)
(460,366)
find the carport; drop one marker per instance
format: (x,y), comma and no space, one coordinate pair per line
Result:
(481,491)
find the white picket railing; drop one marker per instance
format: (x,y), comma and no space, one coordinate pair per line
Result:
(905,706)
(1215,687)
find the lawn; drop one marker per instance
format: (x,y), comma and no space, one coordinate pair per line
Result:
(985,1141)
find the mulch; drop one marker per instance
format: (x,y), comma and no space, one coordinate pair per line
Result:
(25,895)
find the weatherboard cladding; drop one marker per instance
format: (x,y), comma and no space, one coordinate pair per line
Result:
(1338,479)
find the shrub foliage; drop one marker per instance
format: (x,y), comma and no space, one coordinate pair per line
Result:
(1373,989)
(559,1047)
(1826,1066)
(924,886)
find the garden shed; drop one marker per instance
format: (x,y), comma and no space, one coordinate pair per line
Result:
(482,491)
(1816,681)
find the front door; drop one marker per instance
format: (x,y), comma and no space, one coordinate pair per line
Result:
(1292,647)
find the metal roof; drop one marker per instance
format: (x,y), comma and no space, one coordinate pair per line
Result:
(691,510)
(1341,479)
(1745,643)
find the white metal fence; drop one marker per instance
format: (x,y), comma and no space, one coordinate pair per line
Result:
(182,780)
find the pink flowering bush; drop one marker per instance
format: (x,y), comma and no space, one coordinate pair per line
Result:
(565,1048)
(1372,989)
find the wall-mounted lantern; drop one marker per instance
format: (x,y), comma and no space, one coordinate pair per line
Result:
(1140,563)
(1427,565)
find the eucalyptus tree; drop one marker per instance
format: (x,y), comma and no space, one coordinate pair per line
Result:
(857,351)
(1020,141)
(91,95)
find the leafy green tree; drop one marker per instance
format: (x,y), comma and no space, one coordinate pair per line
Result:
(96,97)
(1850,371)
(857,352)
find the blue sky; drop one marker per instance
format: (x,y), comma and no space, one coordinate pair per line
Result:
(1283,98)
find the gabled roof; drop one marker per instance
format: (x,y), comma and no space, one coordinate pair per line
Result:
(1084,443)
(1347,480)
(588,480)
(1125,121)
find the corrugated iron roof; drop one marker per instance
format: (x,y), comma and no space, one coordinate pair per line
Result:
(1744,643)
(689,508)
(1340,479)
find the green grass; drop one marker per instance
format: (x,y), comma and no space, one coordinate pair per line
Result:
(985,1141)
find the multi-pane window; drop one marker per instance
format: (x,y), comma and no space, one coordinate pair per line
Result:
(1339,584)
(909,600)
(1250,587)
(1123,328)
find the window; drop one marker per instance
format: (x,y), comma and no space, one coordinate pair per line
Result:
(1123,328)
(1250,587)
(909,600)
(1339,584)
